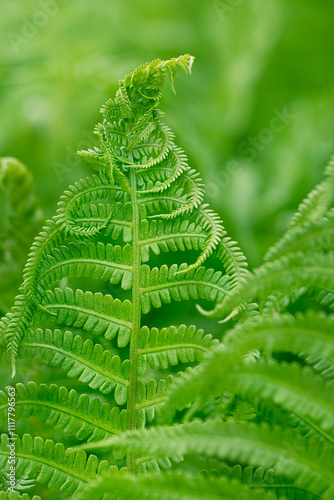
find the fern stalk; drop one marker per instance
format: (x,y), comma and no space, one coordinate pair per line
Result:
(136,319)
(143,200)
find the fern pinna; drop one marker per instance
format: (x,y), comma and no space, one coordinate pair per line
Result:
(144,199)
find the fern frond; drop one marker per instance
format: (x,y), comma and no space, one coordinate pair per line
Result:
(308,464)
(123,101)
(295,388)
(309,334)
(96,158)
(318,201)
(235,265)
(4,322)
(13,495)
(278,302)
(322,366)
(162,205)
(316,236)
(287,273)
(149,180)
(22,482)
(311,210)
(174,486)
(324,298)
(149,78)
(90,220)
(268,480)
(161,144)
(143,200)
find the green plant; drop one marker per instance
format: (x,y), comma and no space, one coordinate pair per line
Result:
(21,218)
(279,363)
(110,229)
(171,413)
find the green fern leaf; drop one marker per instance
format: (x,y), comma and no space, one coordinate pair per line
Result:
(174,486)
(13,495)
(315,236)
(310,211)
(309,334)
(144,199)
(308,464)
(268,480)
(286,274)
(60,469)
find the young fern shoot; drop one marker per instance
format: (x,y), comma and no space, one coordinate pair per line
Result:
(143,199)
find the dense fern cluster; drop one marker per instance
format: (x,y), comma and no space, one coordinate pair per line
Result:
(170,411)
(278,361)
(143,201)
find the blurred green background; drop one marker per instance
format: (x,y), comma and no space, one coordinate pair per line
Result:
(256,118)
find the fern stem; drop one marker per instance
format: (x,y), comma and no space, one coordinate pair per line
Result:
(136,319)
